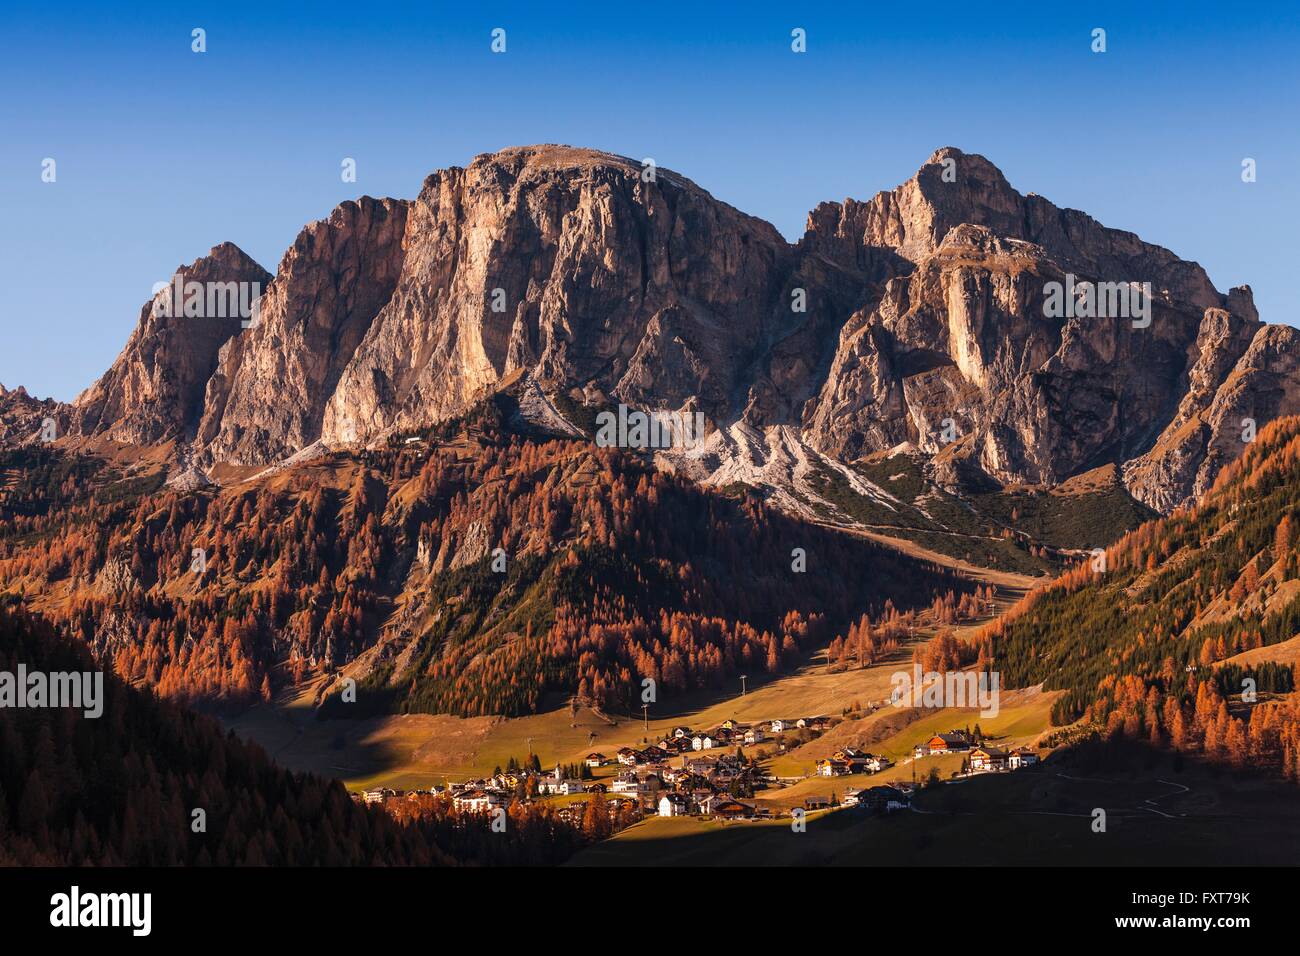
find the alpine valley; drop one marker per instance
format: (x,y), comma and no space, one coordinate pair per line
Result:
(373,531)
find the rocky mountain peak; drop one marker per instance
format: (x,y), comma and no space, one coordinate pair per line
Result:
(154,391)
(905,319)
(267,395)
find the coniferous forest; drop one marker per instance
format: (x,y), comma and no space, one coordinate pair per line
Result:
(482,573)
(1142,642)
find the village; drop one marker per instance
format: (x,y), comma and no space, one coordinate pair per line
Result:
(708,774)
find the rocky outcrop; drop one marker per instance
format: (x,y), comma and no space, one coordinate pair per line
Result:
(918,317)
(961,348)
(909,223)
(25,420)
(1221,415)
(572,264)
(267,397)
(154,392)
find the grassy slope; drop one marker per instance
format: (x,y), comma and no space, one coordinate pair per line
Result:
(1005,819)
(414,750)
(1168,588)
(1086,512)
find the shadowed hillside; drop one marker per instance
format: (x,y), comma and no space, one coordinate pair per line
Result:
(1142,642)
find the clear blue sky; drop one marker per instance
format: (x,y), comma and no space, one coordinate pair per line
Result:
(163,153)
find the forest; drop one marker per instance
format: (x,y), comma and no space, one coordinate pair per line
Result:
(483,569)
(123,790)
(1142,642)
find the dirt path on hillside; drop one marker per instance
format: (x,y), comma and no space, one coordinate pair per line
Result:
(1005,579)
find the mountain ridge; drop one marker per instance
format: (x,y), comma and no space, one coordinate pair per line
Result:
(612,281)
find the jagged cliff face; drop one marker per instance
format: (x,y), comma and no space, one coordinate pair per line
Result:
(154,392)
(1248,377)
(23,418)
(268,395)
(924,322)
(961,338)
(567,263)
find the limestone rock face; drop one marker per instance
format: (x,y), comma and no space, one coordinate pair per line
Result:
(571,264)
(1220,416)
(919,317)
(154,392)
(909,223)
(961,347)
(23,418)
(267,397)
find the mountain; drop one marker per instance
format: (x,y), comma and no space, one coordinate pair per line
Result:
(1158,640)
(473,571)
(914,321)
(154,392)
(961,333)
(415,397)
(268,395)
(22,416)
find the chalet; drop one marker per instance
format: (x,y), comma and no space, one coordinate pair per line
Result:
(653,755)
(754,736)
(729,724)
(477,801)
(726,808)
(378,795)
(780,726)
(702,742)
(596,759)
(952,742)
(627,756)
(855,760)
(681,731)
(877,763)
(1022,758)
(816,803)
(673,805)
(820,722)
(884,799)
(832,768)
(851,797)
(700,796)
(555,785)
(628,782)
(985,758)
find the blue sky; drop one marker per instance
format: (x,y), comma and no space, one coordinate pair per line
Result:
(163,153)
